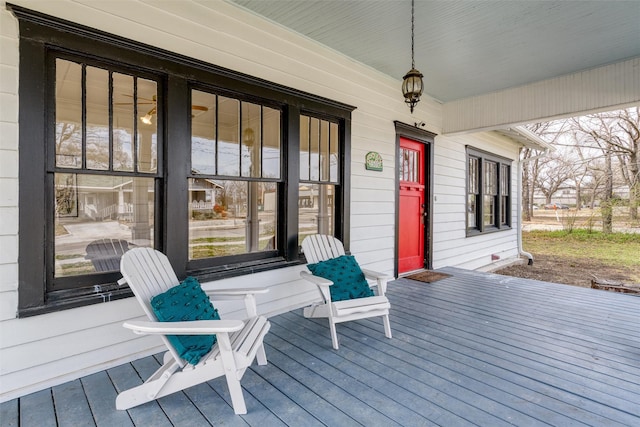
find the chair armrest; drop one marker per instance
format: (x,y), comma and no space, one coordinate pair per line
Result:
(195,327)
(370,274)
(380,278)
(246,294)
(322,283)
(240,292)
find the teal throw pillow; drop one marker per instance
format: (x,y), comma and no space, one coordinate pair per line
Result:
(184,302)
(347,277)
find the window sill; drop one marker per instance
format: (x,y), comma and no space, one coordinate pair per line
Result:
(241,269)
(489,230)
(64,300)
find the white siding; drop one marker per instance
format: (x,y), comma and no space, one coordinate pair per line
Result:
(600,89)
(8,168)
(43,350)
(450,244)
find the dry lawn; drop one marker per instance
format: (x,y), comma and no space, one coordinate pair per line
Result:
(577,257)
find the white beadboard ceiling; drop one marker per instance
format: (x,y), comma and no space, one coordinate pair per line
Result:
(467,48)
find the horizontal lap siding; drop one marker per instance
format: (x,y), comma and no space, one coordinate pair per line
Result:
(451,246)
(53,348)
(8,166)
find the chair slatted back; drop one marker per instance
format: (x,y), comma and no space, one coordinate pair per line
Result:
(148,273)
(105,254)
(321,247)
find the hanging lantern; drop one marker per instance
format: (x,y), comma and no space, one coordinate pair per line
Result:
(412,85)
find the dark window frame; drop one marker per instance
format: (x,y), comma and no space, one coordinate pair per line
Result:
(42,34)
(59,289)
(501,201)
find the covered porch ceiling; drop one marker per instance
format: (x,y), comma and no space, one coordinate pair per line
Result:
(474,53)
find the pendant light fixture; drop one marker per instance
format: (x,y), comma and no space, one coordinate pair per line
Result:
(412,86)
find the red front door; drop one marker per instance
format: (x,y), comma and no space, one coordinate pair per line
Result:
(411,227)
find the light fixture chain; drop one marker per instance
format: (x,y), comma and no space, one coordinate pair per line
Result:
(413,63)
(412,85)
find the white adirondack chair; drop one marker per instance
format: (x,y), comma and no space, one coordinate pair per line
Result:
(319,247)
(149,273)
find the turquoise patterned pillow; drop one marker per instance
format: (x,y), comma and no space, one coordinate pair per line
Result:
(347,277)
(184,302)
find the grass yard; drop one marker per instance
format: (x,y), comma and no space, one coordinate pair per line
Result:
(575,258)
(616,249)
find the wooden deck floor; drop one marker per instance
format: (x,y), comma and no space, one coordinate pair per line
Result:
(471,349)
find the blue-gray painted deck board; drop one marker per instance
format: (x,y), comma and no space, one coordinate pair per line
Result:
(471,349)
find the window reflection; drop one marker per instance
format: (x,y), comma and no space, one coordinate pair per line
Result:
(97,215)
(315,207)
(228,136)
(97,118)
(231,217)
(68,114)
(235,145)
(123,122)
(203,134)
(319,148)
(97,218)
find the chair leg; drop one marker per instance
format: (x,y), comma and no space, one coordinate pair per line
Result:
(147,391)
(387,325)
(334,334)
(232,374)
(235,390)
(261,356)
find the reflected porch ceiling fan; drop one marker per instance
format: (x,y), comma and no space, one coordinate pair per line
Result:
(146,119)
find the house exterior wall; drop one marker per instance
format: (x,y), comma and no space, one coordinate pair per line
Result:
(48,349)
(451,244)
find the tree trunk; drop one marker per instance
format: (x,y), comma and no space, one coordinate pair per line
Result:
(634,200)
(526,200)
(606,207)
(634,187)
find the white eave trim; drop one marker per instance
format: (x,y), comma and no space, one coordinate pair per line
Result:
(605,88)
(525,137)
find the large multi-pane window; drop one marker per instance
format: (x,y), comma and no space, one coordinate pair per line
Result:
(235,171)
(319,176)
(123,146)
(488,192)
(505,211)
(104,168)
(473,191)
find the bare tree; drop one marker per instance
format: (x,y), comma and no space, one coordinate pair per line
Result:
(555,171)
(617,135)
(530,159)
(629,155)
(527,183)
